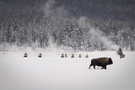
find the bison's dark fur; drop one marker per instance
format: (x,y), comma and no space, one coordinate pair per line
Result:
(103,62)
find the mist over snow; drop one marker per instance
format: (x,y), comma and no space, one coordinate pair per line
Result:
(64,25)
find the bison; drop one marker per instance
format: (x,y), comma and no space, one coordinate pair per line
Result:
(103,62)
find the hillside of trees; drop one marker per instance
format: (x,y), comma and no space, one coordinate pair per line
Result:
(97,26)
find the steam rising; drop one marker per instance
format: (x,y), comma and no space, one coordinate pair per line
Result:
(57,14)
(57,18)
(95,35)
(47,8)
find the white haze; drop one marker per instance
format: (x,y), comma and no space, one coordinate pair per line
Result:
(96,35)
(59,13)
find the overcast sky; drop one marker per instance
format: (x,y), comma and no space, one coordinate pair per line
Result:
(118,9)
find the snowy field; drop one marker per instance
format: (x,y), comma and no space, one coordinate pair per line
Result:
(51,72)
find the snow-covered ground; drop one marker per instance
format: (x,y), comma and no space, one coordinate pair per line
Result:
(51,72)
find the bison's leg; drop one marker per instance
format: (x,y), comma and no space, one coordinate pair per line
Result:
(94,66)
(104,67)
(90,66)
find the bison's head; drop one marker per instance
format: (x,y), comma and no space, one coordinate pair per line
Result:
(110,61)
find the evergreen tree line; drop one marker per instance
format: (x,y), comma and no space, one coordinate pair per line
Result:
(68,33)
(108,25)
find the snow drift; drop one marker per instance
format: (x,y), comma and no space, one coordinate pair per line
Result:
(51,72)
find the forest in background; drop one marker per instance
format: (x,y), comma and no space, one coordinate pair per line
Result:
(80,25)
